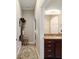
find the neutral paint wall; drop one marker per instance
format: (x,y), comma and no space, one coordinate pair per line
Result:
(37,11)
(60,23)
(18,16)
(29,26)
(39,14)
(47,24)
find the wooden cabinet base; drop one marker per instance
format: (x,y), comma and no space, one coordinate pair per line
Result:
(52,58)
(53,49)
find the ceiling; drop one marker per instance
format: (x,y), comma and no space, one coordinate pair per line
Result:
(53,4)
(27,4)
(53,7)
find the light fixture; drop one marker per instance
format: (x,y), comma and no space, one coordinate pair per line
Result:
(52,12)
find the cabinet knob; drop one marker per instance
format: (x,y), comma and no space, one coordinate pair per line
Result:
(49,55)
(49,45)
(49,50)
(49,41)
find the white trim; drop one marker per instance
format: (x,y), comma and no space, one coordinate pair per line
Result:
(37,53)
(31,42)
(18,47)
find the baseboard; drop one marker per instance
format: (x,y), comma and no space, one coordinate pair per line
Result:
(37,53)
(31,43)
(18,47)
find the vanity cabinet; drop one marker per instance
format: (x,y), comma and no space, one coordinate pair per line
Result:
(52,48)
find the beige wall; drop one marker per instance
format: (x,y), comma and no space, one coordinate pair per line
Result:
(29,26)
(60,23)
(39,14)
(18,16)
(47,24)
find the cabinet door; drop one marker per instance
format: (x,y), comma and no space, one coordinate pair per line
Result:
(49,49)
(58,48)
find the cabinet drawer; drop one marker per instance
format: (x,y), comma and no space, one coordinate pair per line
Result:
(49,45)
(49,41)
(53,48)
(49,55)
(48,50)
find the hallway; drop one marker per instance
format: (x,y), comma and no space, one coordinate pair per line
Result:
(32,31)
(28,52)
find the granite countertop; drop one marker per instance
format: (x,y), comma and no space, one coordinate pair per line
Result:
(56,36)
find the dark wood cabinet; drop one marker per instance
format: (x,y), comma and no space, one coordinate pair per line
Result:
(53,49)
(58,48)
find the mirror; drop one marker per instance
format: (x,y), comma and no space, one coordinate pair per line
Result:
(53,22)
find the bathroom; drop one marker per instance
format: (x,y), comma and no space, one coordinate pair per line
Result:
(37,21)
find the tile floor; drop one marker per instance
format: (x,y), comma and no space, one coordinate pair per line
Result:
(27,52)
